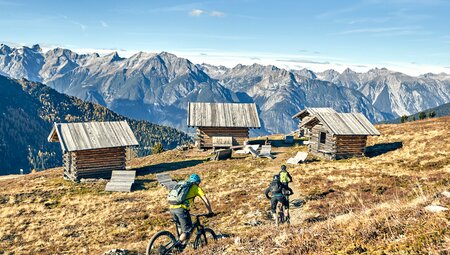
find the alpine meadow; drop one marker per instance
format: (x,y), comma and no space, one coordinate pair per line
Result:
(224,127)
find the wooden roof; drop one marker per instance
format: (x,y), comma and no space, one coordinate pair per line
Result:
(92,135)
(343,123)
(312,110)
(223,115)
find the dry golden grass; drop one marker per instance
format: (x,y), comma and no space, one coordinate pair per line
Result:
(362,205)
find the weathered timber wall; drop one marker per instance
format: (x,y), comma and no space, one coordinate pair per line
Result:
(204,135)
(98,163)
(336,147)
(350,145)
(327,149)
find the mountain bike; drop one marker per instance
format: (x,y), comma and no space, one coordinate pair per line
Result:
(164,241)
(281,218)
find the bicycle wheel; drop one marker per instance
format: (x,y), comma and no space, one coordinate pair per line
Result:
(286,219)
(202,238)
(280,214)
(162,243)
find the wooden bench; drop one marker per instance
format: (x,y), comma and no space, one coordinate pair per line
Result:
(246,149)
(264,153)
(121,181)
(222,154)
(299,157)
(165,180)
(222,141)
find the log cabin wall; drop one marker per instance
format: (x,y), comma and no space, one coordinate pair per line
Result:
(325,148)
(338,135)
(205,134)
(69,166)
(350,145)
(97,163)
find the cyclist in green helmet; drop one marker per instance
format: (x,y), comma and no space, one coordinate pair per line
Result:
(180,212)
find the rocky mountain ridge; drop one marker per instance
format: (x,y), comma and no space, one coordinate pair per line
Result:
(157,87)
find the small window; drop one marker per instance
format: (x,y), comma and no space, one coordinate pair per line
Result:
(323,137)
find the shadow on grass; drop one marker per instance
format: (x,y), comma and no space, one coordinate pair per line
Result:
(165,167)
(297,203)
(140,184)
(382,148)
(319,195)
(316,219)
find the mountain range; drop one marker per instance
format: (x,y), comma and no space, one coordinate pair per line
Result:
(28,110)
(157,87)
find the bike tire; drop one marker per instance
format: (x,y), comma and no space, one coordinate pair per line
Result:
(280,214)
(154,248)
(202,238)
(281,217)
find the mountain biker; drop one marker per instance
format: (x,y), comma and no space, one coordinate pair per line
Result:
(285,177)
(279,193)
(180,212)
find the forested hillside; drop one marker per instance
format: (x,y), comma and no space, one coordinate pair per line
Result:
(440,111)
(28,110)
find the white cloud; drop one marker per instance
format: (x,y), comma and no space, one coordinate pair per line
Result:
(82,26)
(382,30)
(196,12)
(199,12)
(103,23)
(312,62)
(217,14)
(287,61)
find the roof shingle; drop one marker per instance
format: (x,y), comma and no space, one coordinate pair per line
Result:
(223,115)
(92,135)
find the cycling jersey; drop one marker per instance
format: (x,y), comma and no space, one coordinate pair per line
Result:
(285,177)
(193,192)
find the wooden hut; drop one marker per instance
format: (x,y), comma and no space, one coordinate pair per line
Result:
(93,149)
(306,114)
(338,135)
(222,124)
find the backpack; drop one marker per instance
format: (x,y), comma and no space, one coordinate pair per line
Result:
(177,195)
(275,188)
(284,176)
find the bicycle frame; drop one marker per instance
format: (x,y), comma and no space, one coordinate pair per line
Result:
(197,226)
(281,210)
(167,246)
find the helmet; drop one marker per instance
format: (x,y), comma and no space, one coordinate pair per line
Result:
(276,178)
(194,178)
(283,168)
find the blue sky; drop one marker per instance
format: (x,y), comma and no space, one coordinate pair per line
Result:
(412,36)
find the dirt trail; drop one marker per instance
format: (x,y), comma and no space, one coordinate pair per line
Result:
(296,204)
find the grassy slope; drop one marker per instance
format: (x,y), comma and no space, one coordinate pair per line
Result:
(351,206)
